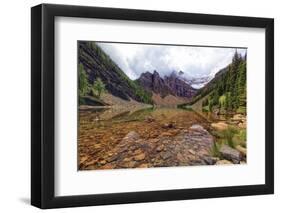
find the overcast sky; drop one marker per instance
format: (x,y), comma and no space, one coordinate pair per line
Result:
(135,59)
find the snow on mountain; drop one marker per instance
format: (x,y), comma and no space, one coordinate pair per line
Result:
(195,82)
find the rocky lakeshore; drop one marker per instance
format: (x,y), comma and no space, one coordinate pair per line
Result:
(152,138)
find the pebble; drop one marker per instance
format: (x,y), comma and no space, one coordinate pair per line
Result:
(192,151)
(160,148)
(139,157)
(165,155)
(222,162)
(102,162)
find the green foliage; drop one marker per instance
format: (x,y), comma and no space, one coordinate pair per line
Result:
(222,101)
(144,96)
(98,87)
(205,109)
(241,85)
(211,105)
(228,134)
(216,97)
(83,81)
(205,102)
(215,150)
(243,134)
(188,108)
(231,137)
(81,100)
(228,101)
(241,110)
(228,91)
(241,138)
(107,64)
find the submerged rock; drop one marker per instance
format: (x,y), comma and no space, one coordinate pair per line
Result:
(102,162)
(166,155)
(131,136)
(160,148)
(191,151)
(167,134)
(139,157)
(169,125)
(149,119)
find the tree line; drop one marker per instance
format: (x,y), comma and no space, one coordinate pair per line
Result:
(105,63)
(96,89)
(229,93)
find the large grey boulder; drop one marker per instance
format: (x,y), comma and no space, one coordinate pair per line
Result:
(230,154)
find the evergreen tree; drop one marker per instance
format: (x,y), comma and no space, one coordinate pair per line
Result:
(242,84)
(98,87)
(228,79)
(216,97)
(236,60)
(211,105)
(220,88)
(83,81)
(228,101)
(229,91)
(205,102)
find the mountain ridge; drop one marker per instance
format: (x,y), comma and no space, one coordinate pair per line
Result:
(227,91)
(97,64)
(168,85)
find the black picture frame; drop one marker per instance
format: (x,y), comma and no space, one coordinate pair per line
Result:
(43,102)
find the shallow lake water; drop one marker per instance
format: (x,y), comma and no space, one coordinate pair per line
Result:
(103,130)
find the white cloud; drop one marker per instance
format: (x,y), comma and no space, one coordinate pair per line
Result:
(135,59)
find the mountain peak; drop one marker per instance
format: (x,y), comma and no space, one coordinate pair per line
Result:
(156,73)
(172,84)
(97,64)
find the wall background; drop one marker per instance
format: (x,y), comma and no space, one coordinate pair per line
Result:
(15,105)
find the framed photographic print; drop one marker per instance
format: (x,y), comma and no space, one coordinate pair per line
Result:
(139,106)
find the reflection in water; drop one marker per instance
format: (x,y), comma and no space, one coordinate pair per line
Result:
(215,117)
(149,137)
(113,114)
(210,116)
(121,114)
(92,114)
(101,114)
(152,137)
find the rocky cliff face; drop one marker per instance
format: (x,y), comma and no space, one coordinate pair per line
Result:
(212,83)
(153,82)
(99,65)
(179,87)
(169,85)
